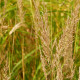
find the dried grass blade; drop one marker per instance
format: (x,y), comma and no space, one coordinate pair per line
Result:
(17,26)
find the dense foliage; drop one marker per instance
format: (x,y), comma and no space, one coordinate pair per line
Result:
(39,39)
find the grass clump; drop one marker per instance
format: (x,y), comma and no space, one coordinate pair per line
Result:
(39,40)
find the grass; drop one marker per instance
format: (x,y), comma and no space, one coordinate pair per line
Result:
(39,40)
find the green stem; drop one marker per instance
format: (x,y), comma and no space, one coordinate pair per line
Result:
(51,38)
